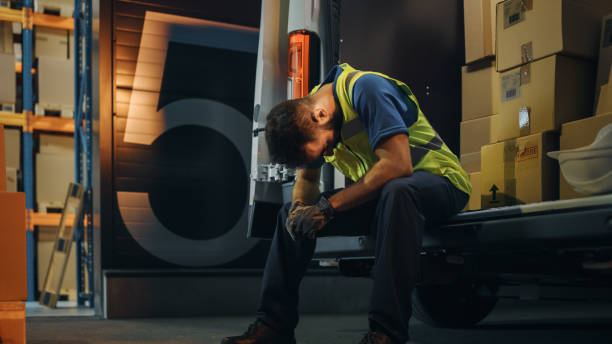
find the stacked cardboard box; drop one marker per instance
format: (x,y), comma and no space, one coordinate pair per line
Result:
(8,84)
(6,37)
(12,322)
(54,171)
(52,99)
(12,150)
(479,22)
(480,102)
(62,8)
(53,48)
(544,78)
(13,290)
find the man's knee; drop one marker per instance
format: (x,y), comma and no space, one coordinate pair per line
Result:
(398,188)
(284,211)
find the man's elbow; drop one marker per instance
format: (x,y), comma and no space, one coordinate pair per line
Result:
(406,170)
(399,170)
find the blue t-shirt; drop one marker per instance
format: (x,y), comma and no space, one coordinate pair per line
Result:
(382,107)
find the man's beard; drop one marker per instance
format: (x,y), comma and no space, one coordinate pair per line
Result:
(336,125)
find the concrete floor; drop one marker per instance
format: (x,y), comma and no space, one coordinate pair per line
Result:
(511,322)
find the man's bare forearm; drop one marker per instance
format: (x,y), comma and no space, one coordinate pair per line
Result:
(367,188)
(394,162)
(306,188)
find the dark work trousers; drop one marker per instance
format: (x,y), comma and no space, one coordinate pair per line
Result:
(397,219)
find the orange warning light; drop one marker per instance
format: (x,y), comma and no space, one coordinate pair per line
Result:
(299,52)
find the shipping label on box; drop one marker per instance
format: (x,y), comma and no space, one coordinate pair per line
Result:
(575,135)
(528,30)
(518,171)
(542,95)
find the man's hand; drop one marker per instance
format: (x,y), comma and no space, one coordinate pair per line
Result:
(304,221)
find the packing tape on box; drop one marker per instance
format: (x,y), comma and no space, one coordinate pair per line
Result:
(527,52)
(514,11)
(524,120)
(525,74)
(510,149)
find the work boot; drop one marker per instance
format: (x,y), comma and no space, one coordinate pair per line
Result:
(377,338)
(259,333)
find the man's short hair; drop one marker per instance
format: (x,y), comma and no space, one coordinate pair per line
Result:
(288,129)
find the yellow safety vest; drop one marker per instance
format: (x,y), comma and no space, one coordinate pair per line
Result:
(353,155)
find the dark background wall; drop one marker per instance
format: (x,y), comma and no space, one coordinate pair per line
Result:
(176,157)
(418,42)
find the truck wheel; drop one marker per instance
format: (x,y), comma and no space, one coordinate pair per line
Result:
(453,305)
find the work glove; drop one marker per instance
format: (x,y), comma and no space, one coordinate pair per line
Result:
(304,221)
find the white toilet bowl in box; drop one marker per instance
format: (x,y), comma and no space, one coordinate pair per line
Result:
(589,169)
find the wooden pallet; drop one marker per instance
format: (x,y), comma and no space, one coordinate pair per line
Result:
(61,249)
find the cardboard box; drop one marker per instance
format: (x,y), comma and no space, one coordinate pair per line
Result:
(50,96)
(56,144)
(542,95)
(575,135)
(12,147)
(2,160)
(476,181)
(479,90)
(11,179)
(476,133)
(479,22)
(6,38)
(518,171)
(51,42)
(12,322)
(470,162)
(534,29)
(54,173)
(7,75)
(64,8)
(605,56)
(44,248)
(13,266)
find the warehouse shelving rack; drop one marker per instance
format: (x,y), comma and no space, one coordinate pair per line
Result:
(80,126)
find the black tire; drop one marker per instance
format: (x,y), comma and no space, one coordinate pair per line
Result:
(453,305)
